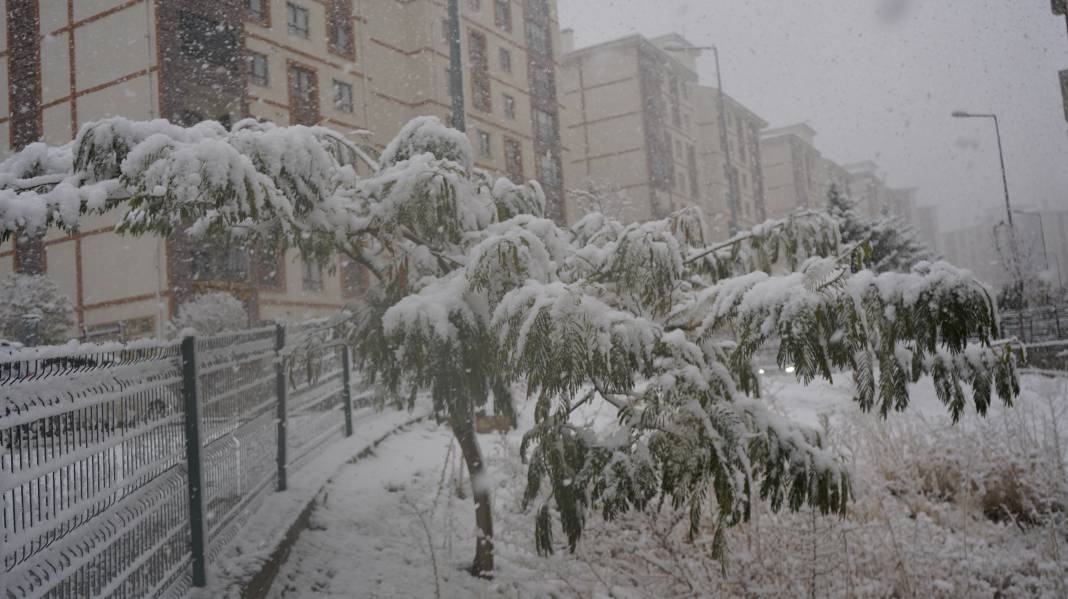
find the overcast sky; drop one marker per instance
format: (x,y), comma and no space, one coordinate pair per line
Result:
(878,78)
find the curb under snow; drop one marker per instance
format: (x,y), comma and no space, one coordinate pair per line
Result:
(248,564)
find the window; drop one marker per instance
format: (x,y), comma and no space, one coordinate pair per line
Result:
(543,83)
(257,10)
(502,14)
(342,96)
(303,96)
(268,266)
(297,20)
(208,41)
(509,107)
(446,35)
(474,5)
(257,72)
(339,28)
(513,160)
(548,173)
(341,38)
(312,275)
(691,165)
(544,126)
(538,38)
(353,278)
(673,92)
(481,97)
(216,261)
(485,144)
(506,60)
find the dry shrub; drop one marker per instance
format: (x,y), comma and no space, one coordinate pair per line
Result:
(968,510)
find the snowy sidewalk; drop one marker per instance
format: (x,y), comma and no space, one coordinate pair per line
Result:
(245,556)
(366,538)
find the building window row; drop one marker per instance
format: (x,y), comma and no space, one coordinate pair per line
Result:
(303,89)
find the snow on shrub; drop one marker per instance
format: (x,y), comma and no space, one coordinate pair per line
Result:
(211,313)
(33,311)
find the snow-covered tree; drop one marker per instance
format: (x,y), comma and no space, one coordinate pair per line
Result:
(476,292)
(599,196)
(891,243)
(33,311)
(211,313)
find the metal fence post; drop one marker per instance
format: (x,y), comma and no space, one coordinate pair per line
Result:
(194,472)
(280,394)
(346,383)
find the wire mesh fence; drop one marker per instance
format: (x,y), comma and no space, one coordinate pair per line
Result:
(125,469)
(1036,324)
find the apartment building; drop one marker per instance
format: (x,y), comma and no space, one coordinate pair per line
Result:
(795,173)
(362,68)
(640,125)
(868,189)
(1059,9)
(732,171)
(631,124)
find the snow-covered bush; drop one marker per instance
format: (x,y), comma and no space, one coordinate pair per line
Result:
(33,311)
(211,313)
(475,292)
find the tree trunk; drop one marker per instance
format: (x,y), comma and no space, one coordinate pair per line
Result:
(463,427)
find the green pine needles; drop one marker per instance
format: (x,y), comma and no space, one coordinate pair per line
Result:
(475,295)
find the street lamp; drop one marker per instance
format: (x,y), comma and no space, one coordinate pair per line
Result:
(960,114)
(1013,246)
(732,196)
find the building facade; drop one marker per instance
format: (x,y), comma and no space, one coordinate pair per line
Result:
(1059,9)
(639,125)
(795,173)
(630,121)
(732,173)
(361,68)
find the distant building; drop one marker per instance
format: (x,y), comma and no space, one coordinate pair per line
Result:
(1059,9)
(984,248)
(868,189)
(795,173)
(345,64)
(744,171)
(631,120)
(927,227)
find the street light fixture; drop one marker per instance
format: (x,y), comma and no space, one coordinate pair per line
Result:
(1013,245)
(960,114)
(732,195)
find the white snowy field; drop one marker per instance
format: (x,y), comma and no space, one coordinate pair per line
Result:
(976,509)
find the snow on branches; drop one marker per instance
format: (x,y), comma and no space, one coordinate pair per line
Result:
(475,290)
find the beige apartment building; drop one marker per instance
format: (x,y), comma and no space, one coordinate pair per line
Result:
(796,175)
(868,189)
(351,65)
(732,172)
(630,124)
(638,123)
(1059,9)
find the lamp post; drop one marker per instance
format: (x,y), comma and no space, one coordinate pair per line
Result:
(960,114)
(456,74)
(1013,246)
(732,195)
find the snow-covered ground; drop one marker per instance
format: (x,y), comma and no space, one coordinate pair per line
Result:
(400,523)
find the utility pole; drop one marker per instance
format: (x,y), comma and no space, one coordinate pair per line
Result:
(456,73)
(1014,247)
(725,146)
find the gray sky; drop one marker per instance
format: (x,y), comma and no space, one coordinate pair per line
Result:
(878,78)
